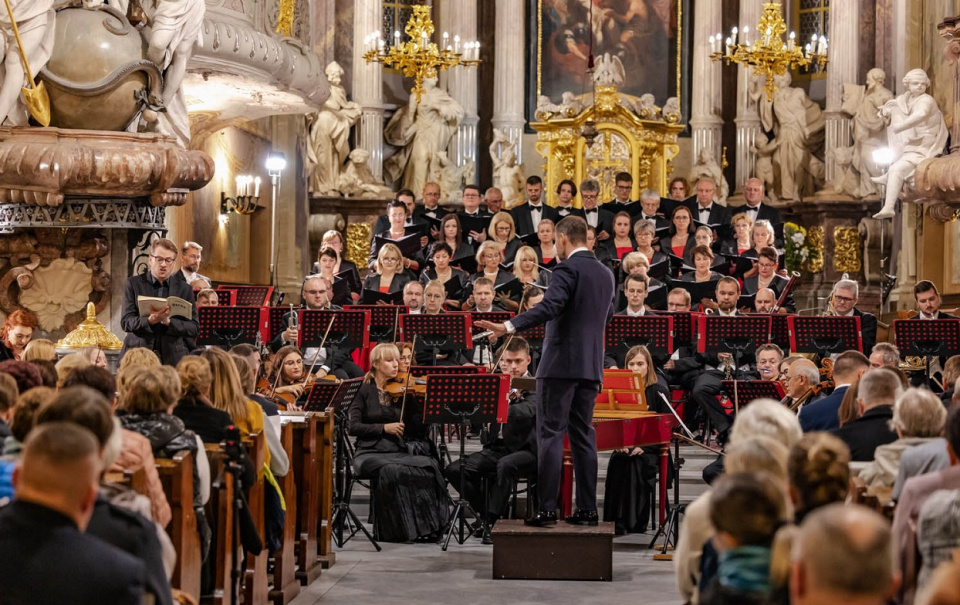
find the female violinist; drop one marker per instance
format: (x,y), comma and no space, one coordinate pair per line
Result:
(288,386)
(409,497)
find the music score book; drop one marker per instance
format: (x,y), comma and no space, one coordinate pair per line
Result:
(148,305)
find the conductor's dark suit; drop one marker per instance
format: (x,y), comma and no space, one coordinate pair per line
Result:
(576,308)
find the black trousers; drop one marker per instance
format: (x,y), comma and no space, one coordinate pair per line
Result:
(509,467)
(566,408)
(704,395)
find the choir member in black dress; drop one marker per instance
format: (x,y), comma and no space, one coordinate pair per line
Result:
(389,275)
(443,272)
(547,249)
(632,472)
(503,231)
(409,498)
(333,240)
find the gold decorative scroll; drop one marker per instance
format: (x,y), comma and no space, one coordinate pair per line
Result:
(846,250)
(815,237)
(358,243)
(644,148)
(285,17)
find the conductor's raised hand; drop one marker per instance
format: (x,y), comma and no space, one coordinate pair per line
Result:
(498,329)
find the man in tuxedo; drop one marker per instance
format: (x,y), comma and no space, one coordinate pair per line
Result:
(598,218)
(510,451)
(623,186)
(527,216)
(755,208)
(165,335)
(44,554)
(706,210)
(471,208)
(928,301)
(493,200)
(650,209)
(844,297)
(575,308)
(635,291)
(566,192)
(431,204)
(315,294)
(823,415)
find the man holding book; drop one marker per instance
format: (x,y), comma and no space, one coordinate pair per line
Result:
(158,312)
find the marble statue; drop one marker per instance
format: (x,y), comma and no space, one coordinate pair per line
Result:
(798,128)
(707,167)
(868,130)
(608,70)
(174,29)
(500,142)
(508,177)
(763,149)
(570,105)
(356,180)
(671,110)
(916,131)
(420,130)
(450,177)
(846,178)
(646,107)
(329,141)
(545,108)
(36,21)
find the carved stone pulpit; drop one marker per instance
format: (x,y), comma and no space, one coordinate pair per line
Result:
(624,143)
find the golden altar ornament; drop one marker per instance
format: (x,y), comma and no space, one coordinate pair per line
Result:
(90,333)
(418,57)
(765,49)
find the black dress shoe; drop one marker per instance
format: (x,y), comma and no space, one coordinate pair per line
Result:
(583,517)
(542,519)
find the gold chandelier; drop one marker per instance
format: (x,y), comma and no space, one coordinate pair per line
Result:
(765,49)
(418,57)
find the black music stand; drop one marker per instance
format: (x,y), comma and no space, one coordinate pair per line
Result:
(321,394)
(824,335)
(684,328)
(780,330)
(250,296)
(739,335)
(463,400)
(350,329)
(421,371)
(446,332)
(384,320)
(745,391)
(652,331)
(927,338)
(497,317)
(275,323)
(344,520)
(225,327)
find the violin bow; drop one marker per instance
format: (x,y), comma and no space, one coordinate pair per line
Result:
(396,325)
(316,355)
(503,349)
(403,400)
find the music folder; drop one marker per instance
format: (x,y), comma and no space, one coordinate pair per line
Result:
(372,297)
(698,290)
(431,222)
(454,288)
(512,288)
(738,265)
(464,258)
(408,244)
(530,239)
(480,224)
(341,291)
(659,269)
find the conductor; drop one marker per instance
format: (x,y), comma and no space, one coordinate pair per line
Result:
(576,308)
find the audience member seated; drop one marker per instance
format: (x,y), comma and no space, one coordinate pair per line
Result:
(119,518)
(878,390)
(251,355)
(752,454)
(41,532)
(823,415)
(21,423)
(746,510)
(39,348)
(9,392)
(409,497)
(918,417)
(944,585)
(194,408)
(951,373)
(885,354)
(16,333)
(819,471)
(938,532)
(916,491)
(843,556)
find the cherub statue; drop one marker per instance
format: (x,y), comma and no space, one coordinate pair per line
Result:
(570,105)
(357,180)
(545,108)
(708,167)
(763,148)
(646,107)
(508,177)
(916,132)
(671,110)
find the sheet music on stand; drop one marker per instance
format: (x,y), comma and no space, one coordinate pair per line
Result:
(346,394)
(383,320)
(480,397)
(350,329)
(824,336)
(226,327)
(652,331)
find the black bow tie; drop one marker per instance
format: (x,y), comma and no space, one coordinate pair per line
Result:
(591,211)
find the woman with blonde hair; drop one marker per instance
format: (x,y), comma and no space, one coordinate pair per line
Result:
(96,356)
(39,348)
(195,408)
(389,275)
(139,356)
(409,498)
(741,241)
(527,269)
(72,361)
(503,232)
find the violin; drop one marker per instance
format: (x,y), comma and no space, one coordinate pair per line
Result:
(403,384)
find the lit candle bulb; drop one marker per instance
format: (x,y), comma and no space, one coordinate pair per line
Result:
(733,36)
(712,45)
(396,37)
(806,51)
(256,187)
(446,36)
(746,34)
(792,41)
(423,40)
(767,35)
(729,46)
(239,182)
(380,44)
(456,44)
(822,46)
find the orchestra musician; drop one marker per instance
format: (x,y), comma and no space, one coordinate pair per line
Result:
(510,450)
(315,294)
(802,376)
(632,472)
(823,415)
(409,498)
(928,300)
(289,364)
(715,366)
(16,333)
(413,297)
(764,301)
(434,296)
(406,357)
(570,372)
(768,358)
(843,301)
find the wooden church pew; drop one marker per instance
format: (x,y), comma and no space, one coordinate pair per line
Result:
(286,585)
(176,475)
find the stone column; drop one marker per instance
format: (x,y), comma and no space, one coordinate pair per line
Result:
(748,118)
(368,84)
(705,120)
(460,18)
(508,86)
(844,53)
